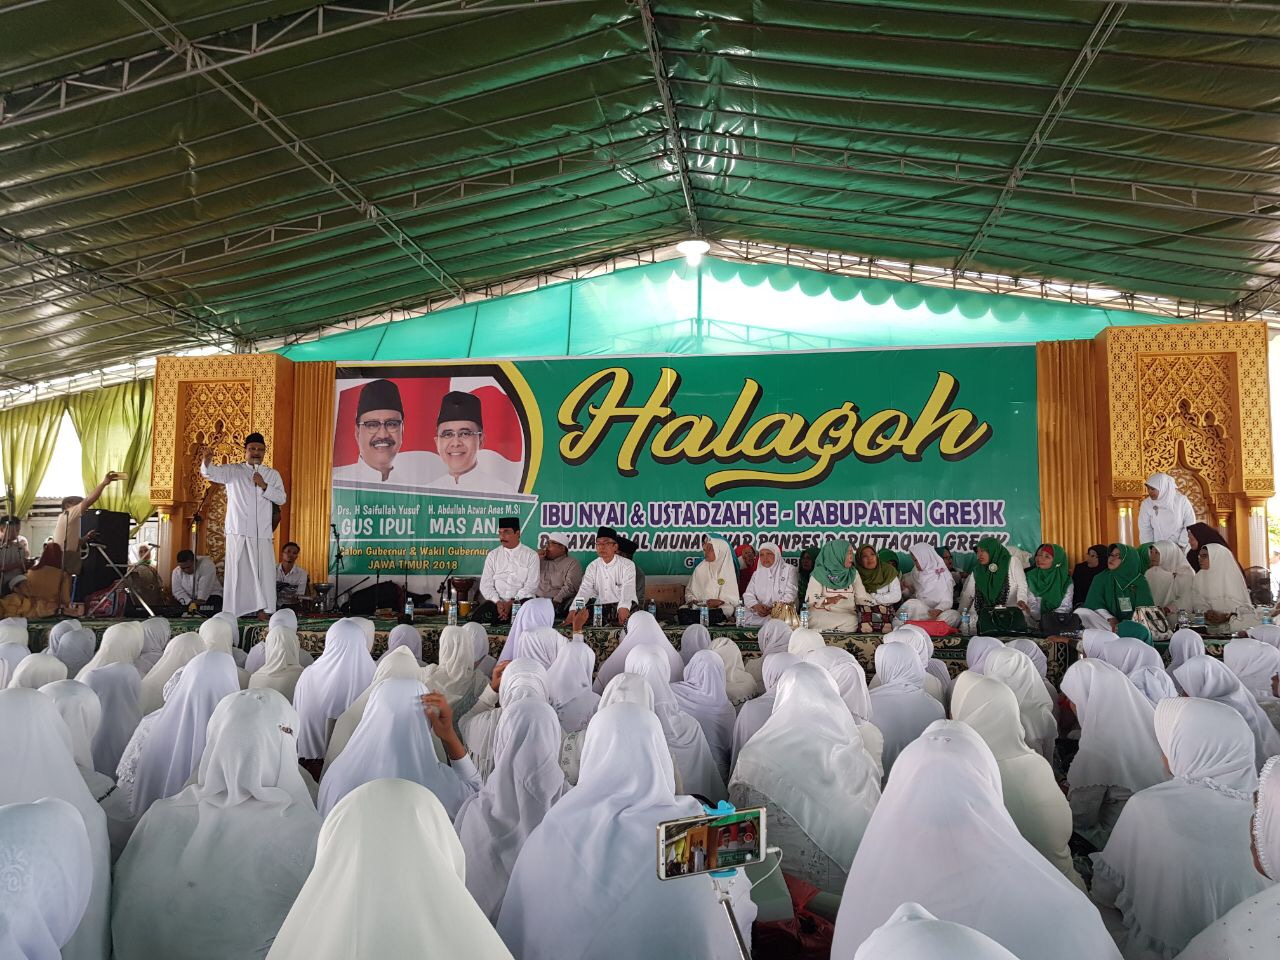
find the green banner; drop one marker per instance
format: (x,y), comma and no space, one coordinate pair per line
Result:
(889,447)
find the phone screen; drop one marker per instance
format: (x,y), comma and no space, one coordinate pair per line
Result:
(711,842)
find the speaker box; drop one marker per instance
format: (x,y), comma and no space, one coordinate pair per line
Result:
(385,595)
(113,534)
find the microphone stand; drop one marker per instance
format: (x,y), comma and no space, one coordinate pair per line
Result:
(336,567)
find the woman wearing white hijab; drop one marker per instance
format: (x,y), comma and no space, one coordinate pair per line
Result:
(1183,645)
(933,666)
(212,872)
(808,766)
(942,817)
(1257,666)
(1041,663)
(932,588)
(405,635)
(695,637)
(394,739)
(381,830)
(37,669)
(180,651)
(756,711)
(286,618)
(127,769)
(397,663)
(699,772)
(922,646)
(641,628)
(739,685)
(1031,794)
(484,661)
(1178,859)
(282,666)
(1210,679)
(976,650)
(901,708)
(513,680)
(569,900)
(526,781)
(715,580)
(121,643)
(35,755)
(14,644)
(1268,633)
(1118,753)
(82,713)
(1127,654)
(1252,928)
(773,582)
(851,680)
(701,694)
(155,634)
(117,690)
(172,751)
(1165,513)
(913,933)
(624,688)
(327,687)
(539,612)
(1220,591)
(220,635)
(73,645)
(455,675)
(48,869)
(1170,577)
(569,684)
(1015,670)
(542,644)
(774,636)
(805,643)
(1154,684)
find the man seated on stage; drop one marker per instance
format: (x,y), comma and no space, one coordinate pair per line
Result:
(291,579)
(66,532)
(609,580)
(559,574)
(627,548)
(13,554)
(510,574)
(194,582)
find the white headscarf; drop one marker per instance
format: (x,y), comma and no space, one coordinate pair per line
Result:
(542,644)
(484,661)
(523,677)
(1117,729)
(913,933)
(121,643)
(756,711)
(738,684)
(627,688)
(920,642)
(73,645)
(392,740)
(901,708)
(47,875)
(695,637)
(1178,857)
(1031,794)
(327,687)
(180,651)
(808,759)
(1154,684)
(850,678)
(1127,654)
(369,629)
(406,635)
(14,645)
(397,663)
(117,690)
(1268,633)
(1183,645)
(35,755)
(455,675)
(387,829)
(1015,670)
(942,816)
(535,613)
(701,694)
(699,772)
(1172,579)
(155,634)
(243,833)
(932,665)
(975,652)
(526,781)
(1222,586)
(172,751)
(81,711)
(716,579)
(37,669)
(569,684)
(775,584)
(567,878)
(774,636)
(285,618)
(1210,679)
(282,667)
(934,584)
(804,643)
(1266,823)
(1252,661)
(641,629)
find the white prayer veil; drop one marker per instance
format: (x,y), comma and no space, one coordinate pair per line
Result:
(1211,679)
(755,712)
(695,637)
(1221,587)
(1253,662)
(913,933)
(715,579)
(121,643)
(641,629)
(47,873)
(180,651)
(569,684)
(1015,670)
(117,690)
(627,688)
(535,613)
(155,634)
(774,636)
(455,674)
(1154,683)
(1117,729)
(702,695)
(1266,821)
(405,635)
(396,663)
(901,708)
(738,684)
(38,669)
(73,645)
(804,643)
(542,644)
(81,711)
(934,585)
(975,652)
(1268,633)
(328,686)
(282,665)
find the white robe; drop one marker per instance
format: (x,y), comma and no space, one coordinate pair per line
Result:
(901,708)
(1168,516)
(715,580)
(328,686)
(249,567)
(510,573)
(769,585)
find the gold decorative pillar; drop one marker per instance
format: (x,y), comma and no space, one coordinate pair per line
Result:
(312,492)
(213,403)
(1190,400)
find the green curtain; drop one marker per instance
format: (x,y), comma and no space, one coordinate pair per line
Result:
(27,436)
(114,425)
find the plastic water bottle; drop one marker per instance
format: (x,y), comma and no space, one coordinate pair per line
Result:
(964,623)
(408,609)
(453,607)
(1266,615)
(704,615)
(597,615)
(804,616)
(653,609)
(1184,621)
(739,617)
(902,618)
(515,609)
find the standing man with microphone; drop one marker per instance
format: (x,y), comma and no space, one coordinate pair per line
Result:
(249,569)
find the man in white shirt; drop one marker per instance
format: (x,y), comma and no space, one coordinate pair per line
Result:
(66,532)
(380,430)
(609,580)
(510,573)
(250,564)
(291,579)
(459,439)
(195,580)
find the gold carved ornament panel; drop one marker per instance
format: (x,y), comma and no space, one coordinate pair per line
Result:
(216,417)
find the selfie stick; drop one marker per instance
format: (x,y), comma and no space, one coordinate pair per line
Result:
(721,879)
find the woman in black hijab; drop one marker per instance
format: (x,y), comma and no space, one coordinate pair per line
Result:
(1082,576)
(1198,534)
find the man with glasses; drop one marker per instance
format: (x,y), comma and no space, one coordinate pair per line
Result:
(379,436)
(459,439)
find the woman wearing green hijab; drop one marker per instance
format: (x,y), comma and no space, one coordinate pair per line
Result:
(1049,589)
(1118,591)
(996,580)
(830,594)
